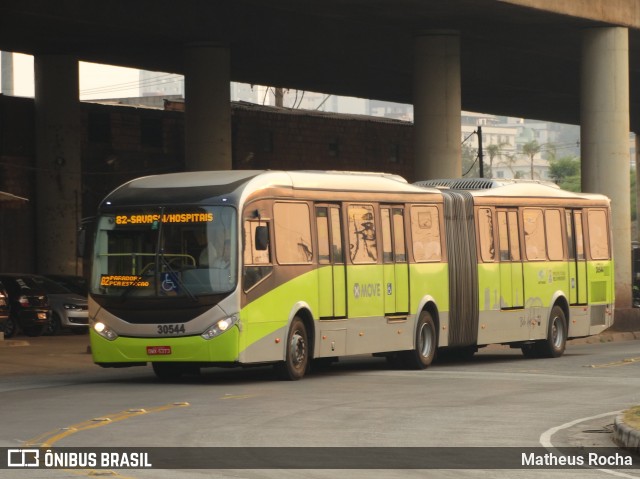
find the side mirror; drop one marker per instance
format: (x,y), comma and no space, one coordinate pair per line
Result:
(262,238)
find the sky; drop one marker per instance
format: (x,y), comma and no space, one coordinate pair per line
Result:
(96,81)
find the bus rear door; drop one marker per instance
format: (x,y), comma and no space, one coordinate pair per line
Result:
(511,283)
(396,270)
(331,271)
(577,260)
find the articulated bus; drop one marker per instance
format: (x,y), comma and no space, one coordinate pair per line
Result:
(239,268)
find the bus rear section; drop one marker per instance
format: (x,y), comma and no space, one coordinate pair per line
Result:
(544,265)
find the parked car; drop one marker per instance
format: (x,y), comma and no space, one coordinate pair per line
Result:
(77,284)
(69,310)
(28,305)
(4,307)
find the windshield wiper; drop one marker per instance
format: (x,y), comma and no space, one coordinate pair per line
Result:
(175,275)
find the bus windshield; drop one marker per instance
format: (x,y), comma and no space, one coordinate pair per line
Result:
(166,252)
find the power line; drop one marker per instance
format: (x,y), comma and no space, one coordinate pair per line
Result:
(158,80)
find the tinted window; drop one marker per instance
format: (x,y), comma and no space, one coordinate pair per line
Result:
(293,233)
(398,235)
(554,234)
(362,234)
(322,225)
(425,232)
(486,234)
(387,250)
(598,234)
(534,236)
(51,287)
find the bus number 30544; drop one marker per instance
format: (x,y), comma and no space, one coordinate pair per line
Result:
(171,328)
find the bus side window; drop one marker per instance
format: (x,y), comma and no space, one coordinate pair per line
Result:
(398,235)
(598,234)
(425,233)
(579,235)
(486,233)
(257,262)
(322,225)
(508,237)
(387,250)
(292,233)
(514,235)
(503,235)
(553,229)
(336,236)
(534,235)
(571,247)
(363,246)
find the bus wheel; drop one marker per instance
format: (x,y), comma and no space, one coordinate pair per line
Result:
(556,341)
(296,360)
(426,344)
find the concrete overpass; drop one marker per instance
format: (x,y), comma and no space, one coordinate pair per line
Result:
(566,61)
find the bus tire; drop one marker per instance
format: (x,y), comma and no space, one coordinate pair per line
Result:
(426,344)
(296,361)
(557,332)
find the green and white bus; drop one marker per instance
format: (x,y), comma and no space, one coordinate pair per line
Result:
(237,268)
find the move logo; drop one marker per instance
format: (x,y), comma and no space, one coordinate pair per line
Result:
(366,290)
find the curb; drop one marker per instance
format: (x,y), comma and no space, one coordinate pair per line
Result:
(626,436)
(11,343)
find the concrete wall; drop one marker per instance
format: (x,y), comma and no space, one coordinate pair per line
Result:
(616,12)
(120,143)
(284,139)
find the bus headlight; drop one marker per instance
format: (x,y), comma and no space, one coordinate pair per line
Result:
(220,327)
(104,331)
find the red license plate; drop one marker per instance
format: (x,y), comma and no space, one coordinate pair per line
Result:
(158,350)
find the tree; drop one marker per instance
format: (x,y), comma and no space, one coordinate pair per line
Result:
(531,149)
(493,150)
(566,172)
(509,160)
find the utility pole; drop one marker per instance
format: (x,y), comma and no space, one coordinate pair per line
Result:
(279,94)
(480,154)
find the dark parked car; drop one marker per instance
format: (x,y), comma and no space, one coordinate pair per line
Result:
(68,309)
(4,307)
(77,284)
(28,305)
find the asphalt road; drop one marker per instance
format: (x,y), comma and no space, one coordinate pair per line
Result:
(52,395)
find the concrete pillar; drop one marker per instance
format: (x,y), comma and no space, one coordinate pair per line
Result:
(604,138)
(207,107)
(637,198)
(436,106)
(58,163)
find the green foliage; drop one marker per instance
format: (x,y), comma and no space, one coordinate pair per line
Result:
(531,149)
(565,172)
